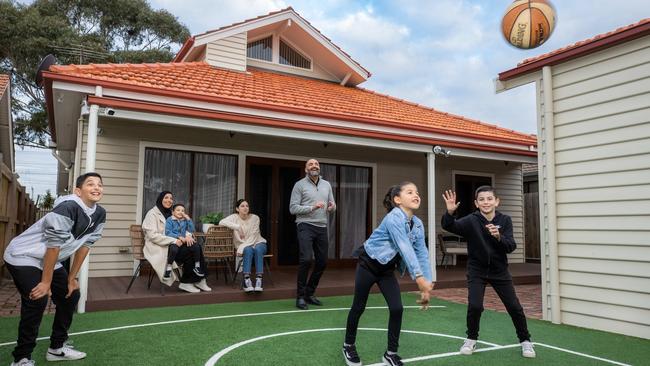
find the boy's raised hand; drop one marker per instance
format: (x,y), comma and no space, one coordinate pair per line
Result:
(450,200)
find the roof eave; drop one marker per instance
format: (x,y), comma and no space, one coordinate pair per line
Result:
(582,50)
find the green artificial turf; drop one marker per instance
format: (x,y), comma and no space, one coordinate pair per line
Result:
(195,342)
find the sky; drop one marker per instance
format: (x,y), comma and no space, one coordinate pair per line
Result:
(443,54)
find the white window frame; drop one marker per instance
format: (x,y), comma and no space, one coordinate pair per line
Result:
(273,46)
(297,49)
(275,51)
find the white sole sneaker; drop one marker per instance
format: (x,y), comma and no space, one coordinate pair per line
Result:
(203,286)
(64,354)
(188,287)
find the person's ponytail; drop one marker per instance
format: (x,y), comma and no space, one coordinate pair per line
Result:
(393,191)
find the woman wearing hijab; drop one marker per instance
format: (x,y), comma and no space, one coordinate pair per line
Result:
(156,245)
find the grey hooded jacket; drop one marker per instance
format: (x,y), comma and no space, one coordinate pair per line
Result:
(69,226)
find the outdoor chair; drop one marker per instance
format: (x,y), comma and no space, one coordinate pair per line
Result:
(450,246)
(267,267)
(137,244)
(218,246)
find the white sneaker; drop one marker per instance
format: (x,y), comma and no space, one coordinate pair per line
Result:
(258,284)
(527,349)
(189,287)
(24,362)
(65,353)
(248,285)
(468,347)
(203,285)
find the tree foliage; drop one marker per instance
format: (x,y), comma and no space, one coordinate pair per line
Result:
(76,32)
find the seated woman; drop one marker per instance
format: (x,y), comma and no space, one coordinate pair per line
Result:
(156,246)
(250,244)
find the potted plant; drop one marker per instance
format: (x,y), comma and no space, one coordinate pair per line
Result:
(210,219)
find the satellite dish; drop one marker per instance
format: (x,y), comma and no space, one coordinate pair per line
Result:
(44,65)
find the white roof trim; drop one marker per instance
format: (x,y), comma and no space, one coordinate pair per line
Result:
(275,18)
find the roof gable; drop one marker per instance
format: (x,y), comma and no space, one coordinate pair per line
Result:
(285,23)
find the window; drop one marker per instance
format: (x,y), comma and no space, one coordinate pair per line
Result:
(466,185)
(291,57)
(203,182)
(351,187)
(262,49)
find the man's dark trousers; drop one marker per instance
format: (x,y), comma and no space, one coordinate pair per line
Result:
(312,241)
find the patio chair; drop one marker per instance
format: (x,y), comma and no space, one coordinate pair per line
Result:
(137,244)
(218,245)
(450,247)
(267,267)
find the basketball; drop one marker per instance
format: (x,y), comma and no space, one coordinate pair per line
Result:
(528,23)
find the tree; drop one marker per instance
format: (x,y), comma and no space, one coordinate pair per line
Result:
(76,32)
(46,201)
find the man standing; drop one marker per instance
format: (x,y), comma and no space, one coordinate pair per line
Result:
(311,201)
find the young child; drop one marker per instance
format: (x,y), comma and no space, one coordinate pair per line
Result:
(179,225)
(398,242)
(33,259)
(489,239)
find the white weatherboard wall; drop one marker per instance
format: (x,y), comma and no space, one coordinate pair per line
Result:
(601,108)
(229,53)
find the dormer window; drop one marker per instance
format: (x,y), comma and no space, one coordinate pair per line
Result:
(291,57)
(261,49)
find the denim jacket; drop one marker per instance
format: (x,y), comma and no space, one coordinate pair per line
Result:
(176,228)
(395,236)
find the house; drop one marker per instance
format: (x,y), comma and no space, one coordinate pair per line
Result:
(239,111)
(593,103)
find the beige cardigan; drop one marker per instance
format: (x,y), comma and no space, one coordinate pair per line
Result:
(251,228)
(156,243)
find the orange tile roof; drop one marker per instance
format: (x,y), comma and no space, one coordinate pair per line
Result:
(4,81)
(267,90)
(581,48)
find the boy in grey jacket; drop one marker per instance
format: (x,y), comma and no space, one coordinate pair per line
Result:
(33,259)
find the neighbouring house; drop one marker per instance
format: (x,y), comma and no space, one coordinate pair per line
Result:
(593,103)
(239,111)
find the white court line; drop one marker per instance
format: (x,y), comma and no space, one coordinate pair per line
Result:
(581,354)
(213,360)
(493,347)
(449,354)
(214,318)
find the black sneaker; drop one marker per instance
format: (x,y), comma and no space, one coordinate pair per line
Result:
(351,356)
(197,271)
(167,275)
(392,360)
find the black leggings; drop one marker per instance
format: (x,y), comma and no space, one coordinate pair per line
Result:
(369,272)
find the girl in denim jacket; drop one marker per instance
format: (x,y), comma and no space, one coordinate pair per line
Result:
(398,242)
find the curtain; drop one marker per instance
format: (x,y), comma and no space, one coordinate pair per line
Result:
(215,185)
(353,209)
(207,185)
(166,170)
(328,172)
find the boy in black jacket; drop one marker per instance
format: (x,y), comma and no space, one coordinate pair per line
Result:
(34,261)
(489,239)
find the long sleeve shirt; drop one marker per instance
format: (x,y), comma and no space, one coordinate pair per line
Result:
(176,228)
(305,195)
(250,228)
(486,254)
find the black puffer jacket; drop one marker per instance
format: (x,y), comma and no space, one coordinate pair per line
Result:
(487,255)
